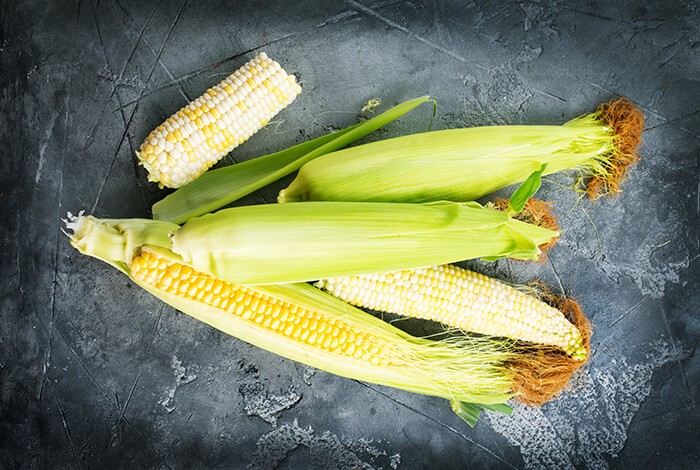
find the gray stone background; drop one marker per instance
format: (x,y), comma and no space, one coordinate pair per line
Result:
(95,373)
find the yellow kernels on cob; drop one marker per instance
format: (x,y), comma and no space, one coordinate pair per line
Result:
(461,299)
(277,316)
(200,134)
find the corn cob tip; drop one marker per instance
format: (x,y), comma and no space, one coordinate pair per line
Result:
(536,212)
(542,373)
(627,123)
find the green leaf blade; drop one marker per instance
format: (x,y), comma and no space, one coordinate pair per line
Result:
(525,191)
(218,188)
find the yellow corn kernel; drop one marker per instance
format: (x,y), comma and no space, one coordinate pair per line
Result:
(300,324)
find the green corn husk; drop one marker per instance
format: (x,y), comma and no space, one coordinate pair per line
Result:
(471,372)
(466,164)
(281,243)
(218,188)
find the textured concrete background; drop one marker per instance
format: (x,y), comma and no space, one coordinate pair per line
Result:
(95,373)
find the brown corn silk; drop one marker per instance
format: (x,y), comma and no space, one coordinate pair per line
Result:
(541,372)
(627,122)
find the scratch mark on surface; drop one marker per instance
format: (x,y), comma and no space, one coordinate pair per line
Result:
(556,274)
(111,163)
(126,405)
(52,320)
(350,14)
(569,73)
(671,57)
(44,144)
(678,354)
(658,415)
(697,197)
(651,277)
(168,73)
(595,229)
(542,92)
(99,33)
(133,112)
(179,80)
(117,81)
(100,389)
(378,16)
(133,50)
(597,15)
(155,328)
(71,443)
(671,121)
(438,422)
(646,109)
(635,307)
(18,256)
(123,9)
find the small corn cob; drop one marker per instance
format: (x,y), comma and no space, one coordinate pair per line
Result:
(461,299)
(226,115)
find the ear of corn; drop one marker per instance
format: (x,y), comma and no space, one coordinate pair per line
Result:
(461,299)
(280,243)
(226,115)
(466,164)
(302,323)
(217,188)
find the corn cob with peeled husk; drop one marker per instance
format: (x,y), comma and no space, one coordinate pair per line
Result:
(466,164)
(226,115)
(461,299)
(302,323)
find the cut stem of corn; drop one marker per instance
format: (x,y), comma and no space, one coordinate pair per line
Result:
(461,299)
(466,164)
(225,116)
(220,187)
(280,243)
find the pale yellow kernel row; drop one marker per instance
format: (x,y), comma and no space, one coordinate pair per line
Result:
(462,299)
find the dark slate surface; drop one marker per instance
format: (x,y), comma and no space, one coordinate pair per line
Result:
(97,374)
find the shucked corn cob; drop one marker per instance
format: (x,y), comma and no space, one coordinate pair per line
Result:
(461,299)
(226,115)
